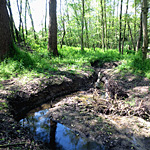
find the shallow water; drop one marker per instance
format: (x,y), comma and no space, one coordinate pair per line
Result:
(55,135)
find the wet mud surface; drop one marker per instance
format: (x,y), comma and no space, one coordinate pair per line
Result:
(80,112)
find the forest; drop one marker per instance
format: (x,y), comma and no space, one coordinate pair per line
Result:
(83,70)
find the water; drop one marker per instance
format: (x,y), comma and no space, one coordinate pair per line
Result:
(55,135)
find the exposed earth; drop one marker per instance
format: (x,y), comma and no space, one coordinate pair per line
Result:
(99,120)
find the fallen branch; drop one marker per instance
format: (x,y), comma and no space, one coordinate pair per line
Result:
(9,145)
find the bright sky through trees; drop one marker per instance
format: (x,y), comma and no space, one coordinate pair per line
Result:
(38,11)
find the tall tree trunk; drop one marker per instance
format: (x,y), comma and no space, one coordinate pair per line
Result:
(64,32)
(87,35)
(52,37)
(131,36)
(82,26)
(140,34)
(11,21)
(45,17)
(105,24)
(5,33)
(30,14)
(144,25)
(120,26)
(25,18)
(21,29)
(102,20)
(135,19)
(125,25)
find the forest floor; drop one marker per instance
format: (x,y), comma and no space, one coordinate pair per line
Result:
(117,127)
(81,113)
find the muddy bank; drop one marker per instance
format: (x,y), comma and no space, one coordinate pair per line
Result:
(23,98)
(79,112)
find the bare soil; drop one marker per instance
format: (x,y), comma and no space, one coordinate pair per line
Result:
(126,126)
(80,111)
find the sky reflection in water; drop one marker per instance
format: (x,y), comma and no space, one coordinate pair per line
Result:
(59,137)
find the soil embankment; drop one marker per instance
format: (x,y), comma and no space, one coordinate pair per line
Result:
(79,112)
(18,96)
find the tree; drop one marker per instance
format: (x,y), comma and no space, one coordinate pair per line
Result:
(5,33)
(120,26)
(144,25)
(102,25)
(52,37)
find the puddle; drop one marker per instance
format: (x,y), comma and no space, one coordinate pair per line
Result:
(55,135)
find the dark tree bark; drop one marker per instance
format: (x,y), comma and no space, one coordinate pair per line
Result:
(125,25)
(21,29)
(131,36)
(64,32)
(144,25)
(140,34)
(120,26)
(102,21)
(82,26)
(52,37)
(5,33)
(105,24)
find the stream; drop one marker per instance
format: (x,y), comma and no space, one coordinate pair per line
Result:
(54,135)
(78,126)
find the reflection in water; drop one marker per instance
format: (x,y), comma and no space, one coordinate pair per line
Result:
(55,135)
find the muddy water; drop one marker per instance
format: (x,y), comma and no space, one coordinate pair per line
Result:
(55,135)
(76,111)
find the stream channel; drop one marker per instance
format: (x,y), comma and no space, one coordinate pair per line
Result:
(55,135)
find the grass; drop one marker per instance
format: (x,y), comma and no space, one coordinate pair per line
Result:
(23,63)
(135,64)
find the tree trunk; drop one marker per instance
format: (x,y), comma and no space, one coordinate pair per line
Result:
(102,25)
(25,18)
(52,37)
(125,25)
(144,25)
(120,26)
(140,34)
(82,26)
(45,17)
(87,35)
(64,32)
(30,14)
(21,29)
(131,36)
(5,33)
(105,25)
(11,21)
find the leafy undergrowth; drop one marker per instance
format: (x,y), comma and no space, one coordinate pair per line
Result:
(35,61)
(134,63)
(38,63)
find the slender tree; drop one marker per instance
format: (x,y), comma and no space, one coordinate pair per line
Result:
(32,22)
(144,25)
(52,37)
(25,18)
(102,21)
(45,17)
(82,26)
(125,26)
(120,28)
(5,33)
(140,34)
(105,24)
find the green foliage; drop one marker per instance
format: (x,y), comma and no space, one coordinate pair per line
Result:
(135,63)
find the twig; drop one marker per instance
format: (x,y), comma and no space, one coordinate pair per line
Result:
(8,145)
